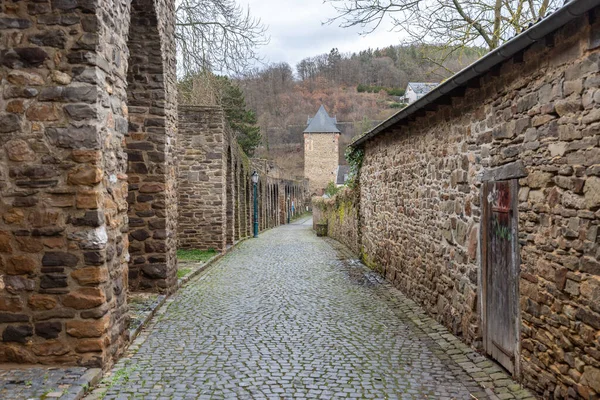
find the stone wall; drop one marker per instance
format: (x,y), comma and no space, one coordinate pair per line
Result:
(341,213)
(420,204)
(64,256)
(320,160)
(63,232)
(201,178)
(151,142)
(215,192)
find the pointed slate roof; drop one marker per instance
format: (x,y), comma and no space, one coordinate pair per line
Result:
(322,123)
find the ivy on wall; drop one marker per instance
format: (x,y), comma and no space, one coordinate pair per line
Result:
(355,157)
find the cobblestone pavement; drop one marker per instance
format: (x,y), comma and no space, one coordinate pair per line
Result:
(20,383)
(290,315)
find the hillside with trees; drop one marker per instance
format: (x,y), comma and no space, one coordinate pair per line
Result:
(361,89)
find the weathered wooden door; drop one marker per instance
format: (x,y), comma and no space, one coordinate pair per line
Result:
(500,277)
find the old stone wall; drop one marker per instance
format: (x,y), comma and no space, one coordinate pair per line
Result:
(320,160)
(63,275)
(420,204)
(215,190)
(341,213)
(63,199)
(201,178)
(151,143)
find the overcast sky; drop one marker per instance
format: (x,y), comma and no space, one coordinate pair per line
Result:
(296,30)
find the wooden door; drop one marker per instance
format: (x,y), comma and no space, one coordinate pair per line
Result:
(500,273)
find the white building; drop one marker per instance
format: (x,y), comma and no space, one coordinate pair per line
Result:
(416,90)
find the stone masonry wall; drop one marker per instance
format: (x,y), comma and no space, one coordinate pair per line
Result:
(341,215)
(201,178)
(210,216)
(320,160)
(151,142)
(63,269)
(420,204)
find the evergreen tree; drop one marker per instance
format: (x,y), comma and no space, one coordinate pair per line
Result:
(242,121)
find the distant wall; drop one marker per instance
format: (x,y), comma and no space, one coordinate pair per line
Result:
(215,190)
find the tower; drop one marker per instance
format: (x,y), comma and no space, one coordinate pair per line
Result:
(321,151)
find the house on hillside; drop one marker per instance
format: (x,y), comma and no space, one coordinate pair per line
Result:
(416,90)
(321,151)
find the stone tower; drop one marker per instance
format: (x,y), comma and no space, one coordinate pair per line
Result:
(321,151)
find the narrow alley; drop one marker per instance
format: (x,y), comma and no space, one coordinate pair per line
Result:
(291,315)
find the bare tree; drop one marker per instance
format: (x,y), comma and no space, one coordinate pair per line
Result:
(217,35)
(455,24)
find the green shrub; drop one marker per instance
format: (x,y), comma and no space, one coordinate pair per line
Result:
(331,189)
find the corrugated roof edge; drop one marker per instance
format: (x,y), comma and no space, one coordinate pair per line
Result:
(562,16)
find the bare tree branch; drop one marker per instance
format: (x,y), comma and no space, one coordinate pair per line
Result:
(451,23)
(217,35)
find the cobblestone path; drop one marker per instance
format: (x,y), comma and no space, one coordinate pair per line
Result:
(290,315)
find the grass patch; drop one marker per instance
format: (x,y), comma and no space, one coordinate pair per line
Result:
(194,255)
(183,272)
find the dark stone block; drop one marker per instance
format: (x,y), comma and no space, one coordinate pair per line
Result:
(155,271)
(48,281)
(136,222)
(138,168)
(140,235)
(158,223)
(52,93)
(84,137)
(156,156)
(18,333)
(55,38)
(32,172)
(81,111)
(84,94)
(160,234)
(154,122)
(48,231)
(14,23)
(10,317)
(155,247)
(62,19)
(37,184)
(9,123)
(87,6)
(91,218)
(48,330)
(59,258)
(134,155)
(23,57)
(28,201)
(141,146)
(64,4)
(144,198)
(38,8)
(52,270)
(157,259)
(94,258)
(589,317)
